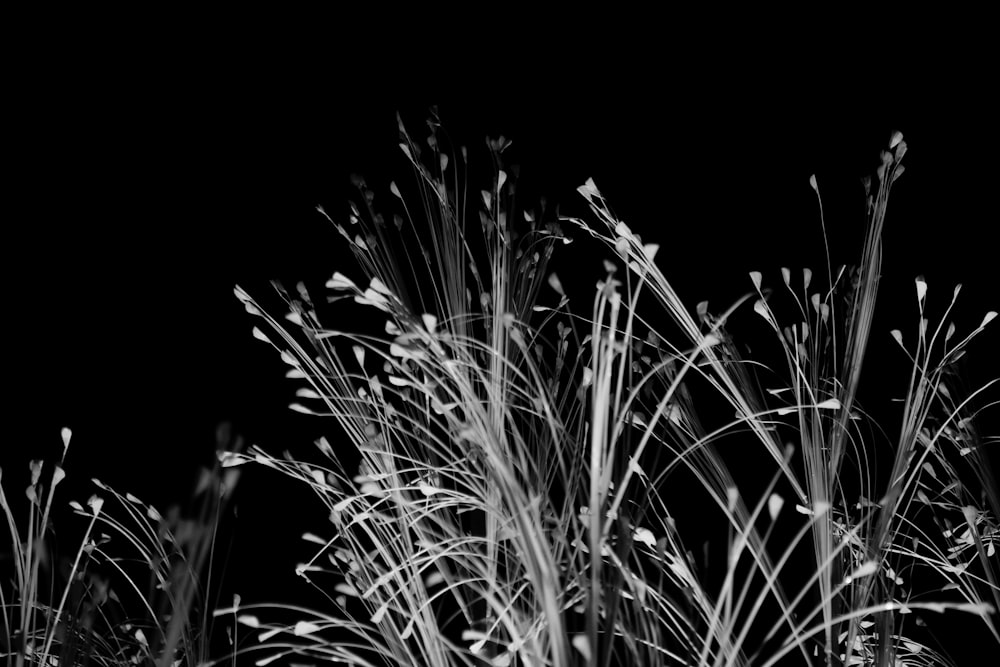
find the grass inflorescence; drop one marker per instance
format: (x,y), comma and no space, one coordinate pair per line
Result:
(134,592)
(514,477)
(524,469)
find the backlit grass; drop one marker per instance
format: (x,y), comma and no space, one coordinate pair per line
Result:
(516,477)
(526,467)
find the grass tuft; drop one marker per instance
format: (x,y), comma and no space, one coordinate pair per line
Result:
(520,481)
(94,607)
(518,476)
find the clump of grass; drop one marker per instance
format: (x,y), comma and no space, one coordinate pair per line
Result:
(92,607)
(513,493)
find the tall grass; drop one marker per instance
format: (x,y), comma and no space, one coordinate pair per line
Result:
(134,595)
(515,477)
(515,480)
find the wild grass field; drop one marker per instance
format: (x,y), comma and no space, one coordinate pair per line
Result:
(525,469)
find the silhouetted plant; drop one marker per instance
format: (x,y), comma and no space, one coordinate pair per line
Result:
(514,499)
(66,610)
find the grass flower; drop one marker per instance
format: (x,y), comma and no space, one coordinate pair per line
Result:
(515,476)
(515,481)
(93,607)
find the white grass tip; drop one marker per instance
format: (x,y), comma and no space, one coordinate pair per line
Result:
(761,309)
(379,614)
(732,496)
(990,316)
(921,289)
(774,505)
(230,459)
(379,287)
(556,284)
(372,298)
(66,434)
(812,182)
(315,539)
(340,282)
(302,568)
(862,571)
(347,589)
(621,247)
(645,536)
(755,277)
(675,416)
(304,628)
(247,302)
(897,137)
(701,310)
(428,490)
(582,644)
(263,662)
(622,230)
(248,620)
(469,635)
(589,190)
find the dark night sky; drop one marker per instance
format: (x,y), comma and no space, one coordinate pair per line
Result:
(144,192)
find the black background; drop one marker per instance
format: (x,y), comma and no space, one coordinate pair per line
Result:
(145,183)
